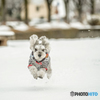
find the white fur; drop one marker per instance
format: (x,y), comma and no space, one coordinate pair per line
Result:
(33,39)
(39,51)
(40,46)
(33,71)
(46,43)
(41,73)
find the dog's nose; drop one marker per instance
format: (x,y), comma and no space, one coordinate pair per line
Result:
(39,55)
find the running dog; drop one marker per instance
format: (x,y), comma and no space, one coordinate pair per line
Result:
(39,62)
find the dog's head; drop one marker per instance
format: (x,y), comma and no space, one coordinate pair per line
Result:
(40,47)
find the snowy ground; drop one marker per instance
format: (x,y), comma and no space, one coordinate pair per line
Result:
(21,26)
(75,64)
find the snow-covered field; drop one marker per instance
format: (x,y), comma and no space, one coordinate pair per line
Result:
(75,64)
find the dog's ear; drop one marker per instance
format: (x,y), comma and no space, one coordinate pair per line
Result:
(45,42)
(33,39)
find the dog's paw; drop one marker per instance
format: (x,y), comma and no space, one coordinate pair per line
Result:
(48,76)
(40,77)
(35,76)
(41,74)
(33,70)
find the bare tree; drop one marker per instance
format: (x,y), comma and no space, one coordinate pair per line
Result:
(79,4)
(3,11)
(49,2)
(92,6)
(66,2)
(26,11)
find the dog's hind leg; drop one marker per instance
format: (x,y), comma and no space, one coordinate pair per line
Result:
(49,72)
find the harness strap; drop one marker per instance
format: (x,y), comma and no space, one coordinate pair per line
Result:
(40,63)
(29,65)
(32,65)
(46,69)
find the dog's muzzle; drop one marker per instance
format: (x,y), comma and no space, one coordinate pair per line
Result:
(39,55)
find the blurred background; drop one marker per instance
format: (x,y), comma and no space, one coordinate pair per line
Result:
(54,18)
(73,29)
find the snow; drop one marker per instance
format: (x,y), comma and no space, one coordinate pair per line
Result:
(35,21)
(75,64)
(79,26)
(53,25)
(21,26)
(64,25)
(12,23)
(37,2)
(4,28)
(6,33)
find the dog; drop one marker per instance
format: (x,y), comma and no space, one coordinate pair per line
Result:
(39,62)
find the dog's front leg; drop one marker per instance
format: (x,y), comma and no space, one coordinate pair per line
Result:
(33,71)
(41,72)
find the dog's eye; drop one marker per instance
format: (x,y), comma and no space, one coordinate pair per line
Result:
(35,49)
(42,49)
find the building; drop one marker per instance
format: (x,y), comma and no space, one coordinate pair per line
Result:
(37,10)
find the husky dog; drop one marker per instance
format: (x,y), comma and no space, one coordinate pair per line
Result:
(39,62)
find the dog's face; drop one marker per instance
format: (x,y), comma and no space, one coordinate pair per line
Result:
(39,47)
(39,52)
